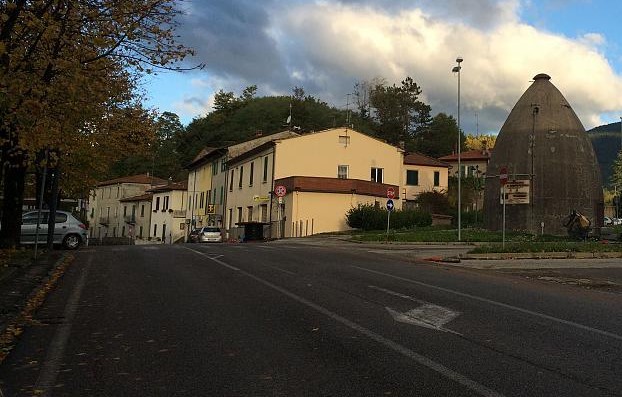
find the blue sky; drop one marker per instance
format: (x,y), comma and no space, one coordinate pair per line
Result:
(327,46)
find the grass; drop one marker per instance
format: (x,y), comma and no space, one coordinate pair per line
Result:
(489,241)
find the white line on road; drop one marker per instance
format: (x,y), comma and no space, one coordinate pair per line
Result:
(213,259)
(53,360)
(422,360)
(500,304)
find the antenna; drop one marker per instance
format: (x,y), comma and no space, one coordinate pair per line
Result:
(289,118)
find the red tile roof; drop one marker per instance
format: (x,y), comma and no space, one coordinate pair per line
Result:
(142,178)
(473,155)
(183,185)
(422,159)
(142,197)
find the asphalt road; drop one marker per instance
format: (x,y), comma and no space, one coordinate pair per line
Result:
(289,319)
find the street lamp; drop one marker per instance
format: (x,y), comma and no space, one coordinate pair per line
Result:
(456,69)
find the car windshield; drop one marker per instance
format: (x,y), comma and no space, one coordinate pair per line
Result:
(211,229)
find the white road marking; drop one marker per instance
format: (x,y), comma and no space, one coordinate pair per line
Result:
(427,315)
(213,259)
(53,360)
(500,304)
(418,358)
(282,270)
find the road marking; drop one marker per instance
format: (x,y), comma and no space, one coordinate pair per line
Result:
(427,315)
(500,304)
(53,360)
(418,358)
(282,270)
(213,259)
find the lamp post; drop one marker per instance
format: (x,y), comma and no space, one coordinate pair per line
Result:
(456,69)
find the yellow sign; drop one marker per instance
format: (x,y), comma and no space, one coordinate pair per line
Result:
(261,198)
(211,208)
(516,192)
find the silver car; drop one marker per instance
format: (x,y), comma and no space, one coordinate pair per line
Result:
(210,234)
(68,231)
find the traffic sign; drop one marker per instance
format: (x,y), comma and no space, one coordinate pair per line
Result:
(503,176)
(280,190)
(390,205)
(390,192)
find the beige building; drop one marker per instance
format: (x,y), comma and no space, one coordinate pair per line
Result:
(324,174)
(138,215)
(423,174)
(168,218)
(108,216)
(209,177)
(473,163)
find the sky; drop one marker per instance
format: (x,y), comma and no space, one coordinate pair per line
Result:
(327,47)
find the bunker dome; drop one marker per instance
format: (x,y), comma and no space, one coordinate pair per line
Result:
(551,166)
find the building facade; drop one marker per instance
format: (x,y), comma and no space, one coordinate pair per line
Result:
(422,174)
(168,219)
(108,215)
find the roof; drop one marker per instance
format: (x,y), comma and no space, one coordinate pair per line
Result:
(142,197)
(183,185)
(145,179)
(472,155)
(204,156)
(422,159)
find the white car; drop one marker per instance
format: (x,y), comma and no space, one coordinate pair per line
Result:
(210,234)
(68,231)
(608,221)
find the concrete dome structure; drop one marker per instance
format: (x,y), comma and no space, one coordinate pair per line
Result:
(544,145)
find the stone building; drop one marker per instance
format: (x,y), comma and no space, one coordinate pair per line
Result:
(550,163)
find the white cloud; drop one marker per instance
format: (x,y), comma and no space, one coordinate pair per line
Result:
(328,46)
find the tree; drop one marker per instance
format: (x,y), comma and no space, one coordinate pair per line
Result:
(439,138)
(616,176)
(479,142)
(398,112)
(68,73)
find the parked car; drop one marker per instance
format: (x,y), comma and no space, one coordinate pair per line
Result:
(193,237)
(608,221)
(68,231)
(616,221)
(210,234)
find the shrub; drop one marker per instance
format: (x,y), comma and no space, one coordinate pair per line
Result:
(370,217)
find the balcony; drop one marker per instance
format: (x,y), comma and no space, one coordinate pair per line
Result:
(131,219)
(104,220)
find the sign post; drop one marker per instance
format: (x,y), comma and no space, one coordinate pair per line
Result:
(390,207)
(503,180)
(280,191)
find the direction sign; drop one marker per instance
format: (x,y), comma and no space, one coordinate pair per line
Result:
(503,176)
(390,192)
(280,190)
(390,205)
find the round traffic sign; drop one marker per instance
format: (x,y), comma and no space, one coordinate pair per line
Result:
(503,176)
(390,205)
(280,190)
(390,192)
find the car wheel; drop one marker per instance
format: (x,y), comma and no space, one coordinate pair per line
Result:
(71,241)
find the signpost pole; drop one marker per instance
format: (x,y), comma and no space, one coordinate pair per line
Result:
(388,218)
(503,243)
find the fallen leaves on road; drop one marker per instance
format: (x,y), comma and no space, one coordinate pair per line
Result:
(25,317)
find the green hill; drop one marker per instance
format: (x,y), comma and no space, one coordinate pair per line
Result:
(606,140)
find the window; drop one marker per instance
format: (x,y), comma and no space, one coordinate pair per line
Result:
(250,176)
(165,205)
(92,212)
(344,139)
(117,191)
(155,230)
(230,217)
(342,171)
(249,213)
(201,200)
(241,176)
(222,194)
(157,203)
(239,214)
(223,165)
(125,210)
(437,178)
(142,211)
(215,168)
(264,212)
(214,197)
(412,177)
(265,169)
(140,232)
(123,231)
(231,182)
(376,175)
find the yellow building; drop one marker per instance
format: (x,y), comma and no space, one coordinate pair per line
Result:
(423,174)
(324,174)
